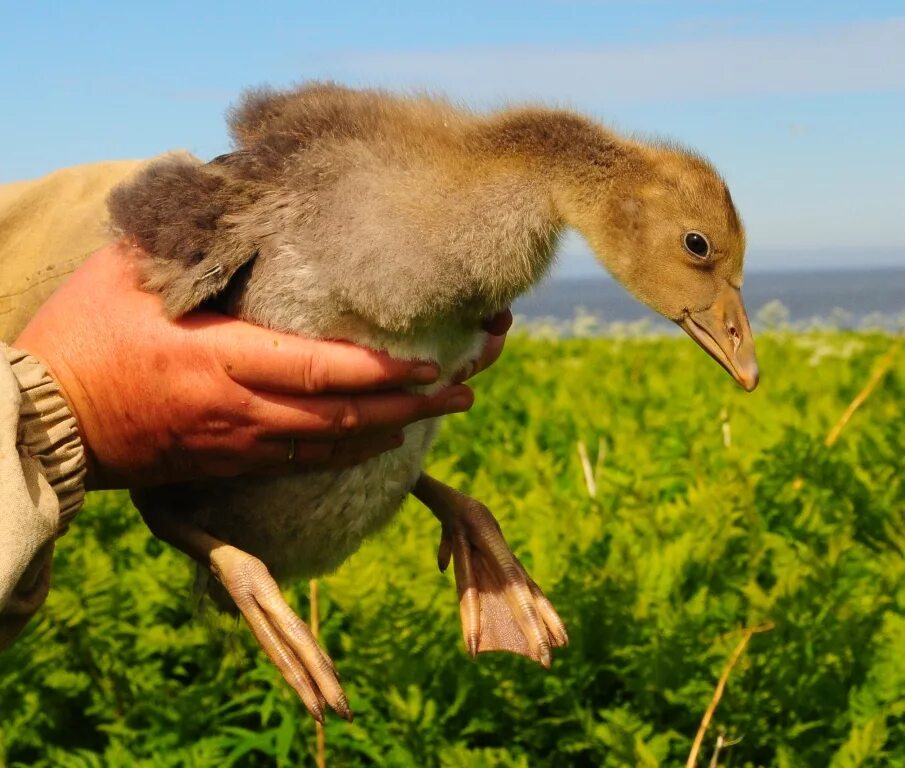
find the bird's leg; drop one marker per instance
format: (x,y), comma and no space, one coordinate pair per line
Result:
(285,638)
(501,608)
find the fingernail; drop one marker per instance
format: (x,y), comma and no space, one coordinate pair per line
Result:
(425,374)
(458,403)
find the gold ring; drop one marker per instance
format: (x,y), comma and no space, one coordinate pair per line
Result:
(291,455)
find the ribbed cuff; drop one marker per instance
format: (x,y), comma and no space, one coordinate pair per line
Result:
(48,432)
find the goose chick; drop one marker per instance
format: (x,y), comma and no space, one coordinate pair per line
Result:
(398,223)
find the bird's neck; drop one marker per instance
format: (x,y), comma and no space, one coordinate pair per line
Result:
(578,159)
(575,166)
(555,139)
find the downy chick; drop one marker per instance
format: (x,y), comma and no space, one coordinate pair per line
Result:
(398,223)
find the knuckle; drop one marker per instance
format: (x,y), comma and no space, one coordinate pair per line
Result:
(315,371)
(348,418)
(245,442)
(225,418)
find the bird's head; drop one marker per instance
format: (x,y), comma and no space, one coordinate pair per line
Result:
(668,231)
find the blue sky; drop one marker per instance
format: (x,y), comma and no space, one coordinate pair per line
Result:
(801,105)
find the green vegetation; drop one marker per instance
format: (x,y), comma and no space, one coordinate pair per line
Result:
(687,541)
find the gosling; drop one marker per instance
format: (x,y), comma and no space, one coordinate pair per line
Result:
(398,223)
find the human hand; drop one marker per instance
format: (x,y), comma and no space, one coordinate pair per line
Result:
(162,401)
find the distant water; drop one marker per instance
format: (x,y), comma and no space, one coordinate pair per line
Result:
(849,299)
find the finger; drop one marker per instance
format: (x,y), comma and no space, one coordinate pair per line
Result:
(272,458)
(355,451)
(277,362)
(496,328)
(329,417)
(499,324)
(490,354)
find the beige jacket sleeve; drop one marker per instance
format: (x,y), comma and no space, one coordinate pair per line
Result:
(47,228)
(42,469)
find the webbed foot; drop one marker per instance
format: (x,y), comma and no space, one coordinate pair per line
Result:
(501,607)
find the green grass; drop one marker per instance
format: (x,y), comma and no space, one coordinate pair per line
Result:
(687,541)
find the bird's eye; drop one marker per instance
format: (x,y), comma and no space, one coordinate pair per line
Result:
(697,245)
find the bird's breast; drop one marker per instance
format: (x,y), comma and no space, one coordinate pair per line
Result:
(308,524)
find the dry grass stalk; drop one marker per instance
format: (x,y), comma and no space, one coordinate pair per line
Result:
(880,370)
(315,630)
(591,474)
(720,687)
(715,760)
(721,742)
(589,480)
(727,430)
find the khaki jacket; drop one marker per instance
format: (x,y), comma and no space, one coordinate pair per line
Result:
(47,228)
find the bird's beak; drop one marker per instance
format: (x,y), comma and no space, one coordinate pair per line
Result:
(725,334)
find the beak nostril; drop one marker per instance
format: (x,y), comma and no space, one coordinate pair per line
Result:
(734,334)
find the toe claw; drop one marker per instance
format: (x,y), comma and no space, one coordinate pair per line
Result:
(546,658)
(444,552)
(342,709)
